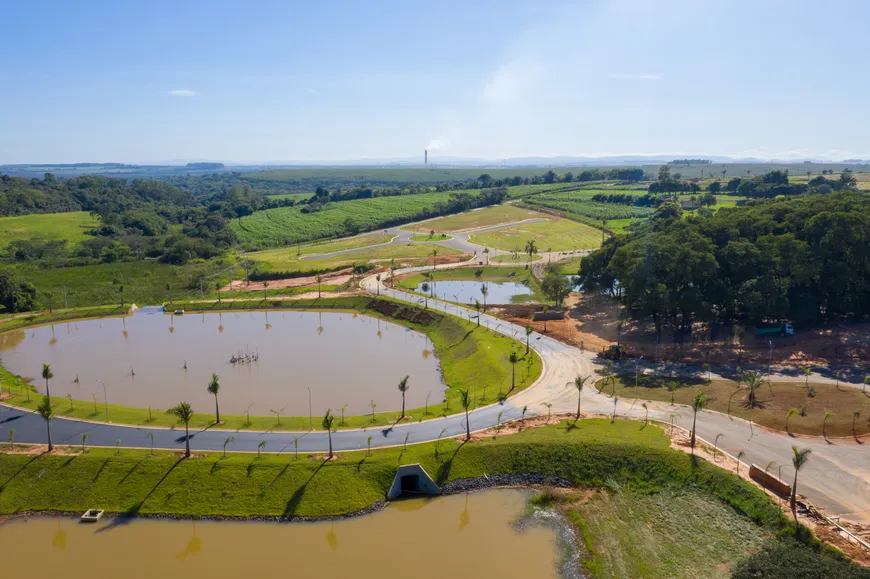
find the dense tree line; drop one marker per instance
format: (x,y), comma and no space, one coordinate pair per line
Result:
(805,259)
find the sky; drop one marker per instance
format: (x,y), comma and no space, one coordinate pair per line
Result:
(272,81)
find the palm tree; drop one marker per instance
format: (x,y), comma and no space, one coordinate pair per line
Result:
(807,370)
(477,307)
(791,412)
(434,255)
(578,383)
(229,440)
(214,386)
(825,425)
(856,414)
(839,376)
(403,387)
(484,289)
(513,359)
(378,279)
(799,459)
(425,289)
(531,248)
(183,412)
(50,295)
(754,381)
(47,412)
(615,401)
(646,413)
(265,287)
(529,331)
(672,388)
(465,401)
(549,406)
(47,375)
(392,270)
(319,279)
(698,404)
(328,419)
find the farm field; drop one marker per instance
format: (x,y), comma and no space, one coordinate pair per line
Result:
(288,225)
(478,218)
(394,175)
(286,259)
(297,197)
(70,227)
(583,207)
(555,234)
(343,244)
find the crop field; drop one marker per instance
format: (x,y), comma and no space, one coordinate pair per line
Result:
(582,205)
(555,234)
(287,260)
(296,197)
(478,218)
(70,227)
(288,225)
(395,175)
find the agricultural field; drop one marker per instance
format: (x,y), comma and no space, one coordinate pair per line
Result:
(71,227)
(478,218)
(395,175)
(288,225)
(555,234)
(296,197)
(287,260)
(579,204)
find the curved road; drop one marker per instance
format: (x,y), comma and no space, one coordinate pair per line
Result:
(836,478)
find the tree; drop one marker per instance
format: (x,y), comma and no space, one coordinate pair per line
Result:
(169,290)
(856,414)
(646,413)
(465,402)
(121,293)
(47,412)
(799,459)
(378,279)
(434,255)
(754,381)
(839,376)
(47,375)
(214,386)
(265,288)
(698,404)
(531,249)
(825,425)
(529,331)
(403,387)
(513,359)
(556,287)
(484,290)
(319,280)
(184,413)
(425,289)
(579,383)
(16,295)
(327,421)
(477,307)
(806,371)
(791,412)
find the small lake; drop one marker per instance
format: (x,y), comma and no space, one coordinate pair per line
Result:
(459,536)
(343,357)
(466,292)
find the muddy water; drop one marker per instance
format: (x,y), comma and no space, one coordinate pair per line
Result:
(458,536)
(344,359)
(467,291)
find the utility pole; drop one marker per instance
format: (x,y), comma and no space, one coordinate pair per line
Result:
(247,280)
(310,419)
(64,297)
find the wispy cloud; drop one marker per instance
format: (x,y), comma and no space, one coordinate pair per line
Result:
(182,92)
(634,76)
(310,90)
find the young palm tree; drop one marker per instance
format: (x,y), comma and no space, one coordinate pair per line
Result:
(549,406)
(328,419)
(378,279)
(807,370)
(698,404)
(529,331)
(791,412)
(47,375)
(214,386)
(646,413)
(425,289)
(799,459)
(578,383)
(856,414)
(839,375)
(319,279)
(265,287)
(465,401)
(183,412)
(403,387)
(434,255)
(866,381)
(484,289)
(45,410)
(477,307)
(513,359)
(825,425)
(754,381)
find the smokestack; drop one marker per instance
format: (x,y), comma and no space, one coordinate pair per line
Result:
(426,157)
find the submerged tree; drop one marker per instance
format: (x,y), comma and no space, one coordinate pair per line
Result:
(184,413)
(214,386)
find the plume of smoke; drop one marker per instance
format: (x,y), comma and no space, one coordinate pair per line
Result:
(438,143)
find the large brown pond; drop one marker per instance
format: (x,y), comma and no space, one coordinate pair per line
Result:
(344,358)
(458,536)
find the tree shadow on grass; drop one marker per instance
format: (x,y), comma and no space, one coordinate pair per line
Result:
(444,470)
(100,470)
(19,471)
(131,513)
(293,503)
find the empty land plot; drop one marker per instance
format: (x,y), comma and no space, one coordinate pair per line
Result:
(287,260)
(485,217)
(70,227)
(554,234)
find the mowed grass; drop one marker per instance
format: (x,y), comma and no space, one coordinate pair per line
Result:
(287,260)
(478,218)
(518,259)
(553,235)
(427,237)
(70,227)
(678,533)
(569,266)
(589,453)
(776,398)
(470,356)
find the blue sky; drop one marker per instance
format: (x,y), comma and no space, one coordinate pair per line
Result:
(333,80)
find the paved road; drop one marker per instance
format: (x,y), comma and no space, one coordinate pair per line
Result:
(836,478)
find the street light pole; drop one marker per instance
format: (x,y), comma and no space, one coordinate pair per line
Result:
(105,399)
(770,358)
(310,419)
(636,362)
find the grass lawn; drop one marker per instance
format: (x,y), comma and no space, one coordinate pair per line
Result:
(775,405)
(569,266)
(287,259)
(427,237)
(469,356)
(476,219)
(589,453)
(555,234)
(679,533)
(70,227)
(519,259)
